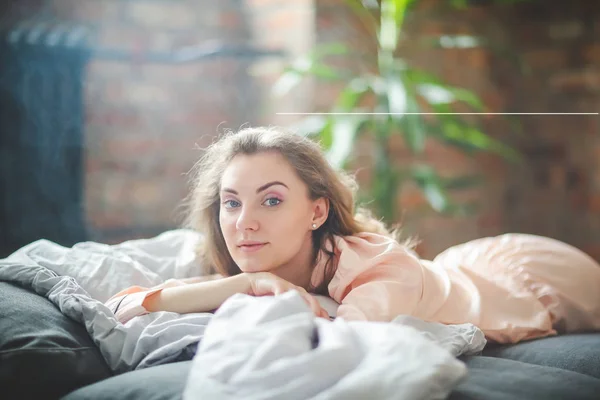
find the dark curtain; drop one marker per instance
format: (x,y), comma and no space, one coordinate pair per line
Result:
(41,140)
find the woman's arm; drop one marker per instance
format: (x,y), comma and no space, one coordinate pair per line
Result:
(209,295)
(203,278)
(203,296)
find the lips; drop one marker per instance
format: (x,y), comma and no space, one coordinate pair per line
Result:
(251,246)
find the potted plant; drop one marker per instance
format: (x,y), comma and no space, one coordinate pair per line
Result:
(391,99)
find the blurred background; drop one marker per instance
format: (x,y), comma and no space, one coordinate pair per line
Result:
(460,118)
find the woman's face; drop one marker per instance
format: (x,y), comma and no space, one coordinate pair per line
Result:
(266,214)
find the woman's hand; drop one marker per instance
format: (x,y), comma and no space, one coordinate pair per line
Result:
(265,284)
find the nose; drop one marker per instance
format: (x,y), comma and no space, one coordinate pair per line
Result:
(247,221)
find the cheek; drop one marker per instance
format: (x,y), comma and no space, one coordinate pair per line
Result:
(289,231)
(227,223)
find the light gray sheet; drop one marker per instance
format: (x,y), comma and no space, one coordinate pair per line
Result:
(80,279)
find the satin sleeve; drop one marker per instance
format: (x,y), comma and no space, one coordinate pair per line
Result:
(377,279)
(129,303)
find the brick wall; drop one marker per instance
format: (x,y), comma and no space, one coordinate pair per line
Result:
(146,115)
(555,190)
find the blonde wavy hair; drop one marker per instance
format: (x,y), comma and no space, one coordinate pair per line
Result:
(308,160)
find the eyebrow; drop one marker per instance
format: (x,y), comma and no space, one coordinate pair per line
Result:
(260,189)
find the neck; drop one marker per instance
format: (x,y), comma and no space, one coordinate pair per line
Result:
(299,269)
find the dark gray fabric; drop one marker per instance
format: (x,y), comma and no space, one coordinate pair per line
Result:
(163,382)
(489,379)
(578,353)
(498,379)
(43,353)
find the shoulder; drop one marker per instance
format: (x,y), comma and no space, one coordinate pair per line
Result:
(371,257)
(370,243)
(366,250)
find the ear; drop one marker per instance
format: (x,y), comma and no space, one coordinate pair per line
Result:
(320,212)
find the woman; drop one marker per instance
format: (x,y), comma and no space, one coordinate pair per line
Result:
(275,217)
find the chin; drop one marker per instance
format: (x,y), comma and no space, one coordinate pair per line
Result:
(246,265)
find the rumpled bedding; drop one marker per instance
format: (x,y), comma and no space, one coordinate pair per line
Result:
(252,347)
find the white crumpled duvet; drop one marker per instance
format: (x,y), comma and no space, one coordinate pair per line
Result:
(253,347)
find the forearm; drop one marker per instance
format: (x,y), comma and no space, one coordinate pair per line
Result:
(197,297)
(204,278)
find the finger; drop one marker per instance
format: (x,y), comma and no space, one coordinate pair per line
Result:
(277,290)
(314,304)
(267,287)
(324,314)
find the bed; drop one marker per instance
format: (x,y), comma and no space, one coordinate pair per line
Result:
(47,352)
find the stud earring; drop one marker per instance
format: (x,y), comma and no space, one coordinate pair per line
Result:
(314,226)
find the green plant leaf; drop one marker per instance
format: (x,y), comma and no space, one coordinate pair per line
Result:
(317,127)
(460,4)
(362,9)
(310,64)
(325,72)
(326,135)
(473,138)
(286,82)
(448,41)
(435,94)
(413,127)
(435,196)
(372,4)
(329,49)
(462,182)
(352,94)
(484,142)
(434,91)
(388,31)
(430,183)
(392,19)
(468,97)
(459,41)
(435,189)
(419,77)
(397,95)
(404,109)
(462,210)
(384,191)
(443,94)
(344,128)
(294,75)
(310,125)
(466,3)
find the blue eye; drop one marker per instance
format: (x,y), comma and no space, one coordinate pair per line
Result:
(231,204)
(272,201)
